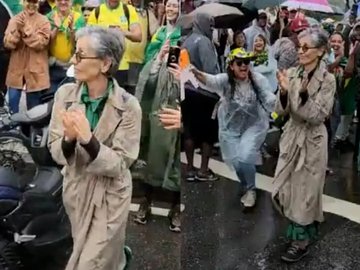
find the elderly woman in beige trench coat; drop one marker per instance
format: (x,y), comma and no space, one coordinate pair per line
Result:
(95,134)
(306,95)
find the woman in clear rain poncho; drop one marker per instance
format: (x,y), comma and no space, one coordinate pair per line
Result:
(306,95)
(243,115)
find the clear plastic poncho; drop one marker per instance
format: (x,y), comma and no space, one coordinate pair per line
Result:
(243,118)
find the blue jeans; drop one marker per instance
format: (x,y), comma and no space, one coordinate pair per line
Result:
(246,174)
(32,99)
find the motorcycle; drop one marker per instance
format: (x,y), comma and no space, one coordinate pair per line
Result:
(33,222)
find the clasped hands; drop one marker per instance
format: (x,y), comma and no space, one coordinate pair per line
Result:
(58,21)
(283,80)
(24,28)
(76,126)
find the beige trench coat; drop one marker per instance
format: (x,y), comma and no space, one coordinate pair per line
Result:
(301,169)
(97,194)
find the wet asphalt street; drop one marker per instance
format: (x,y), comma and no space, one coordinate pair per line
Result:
(218,234)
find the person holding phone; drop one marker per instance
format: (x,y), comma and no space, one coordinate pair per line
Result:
(171,118)
(161,158)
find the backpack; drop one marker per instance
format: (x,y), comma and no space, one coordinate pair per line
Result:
(126,12)
(127,15)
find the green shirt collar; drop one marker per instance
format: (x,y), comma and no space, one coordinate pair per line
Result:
(94,107)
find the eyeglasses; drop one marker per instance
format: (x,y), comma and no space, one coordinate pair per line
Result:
(240,62)
(32,1)
(305,48)
(79,57)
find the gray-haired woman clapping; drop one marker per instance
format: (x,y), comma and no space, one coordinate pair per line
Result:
(95,135)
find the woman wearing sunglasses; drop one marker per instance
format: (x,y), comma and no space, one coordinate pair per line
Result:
(246,101)
(306,94)
(95,135)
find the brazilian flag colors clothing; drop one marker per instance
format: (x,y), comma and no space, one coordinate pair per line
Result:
(94,107)
(159,39)
(116,18)
(61,47)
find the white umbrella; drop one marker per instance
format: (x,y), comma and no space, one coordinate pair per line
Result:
(312,5)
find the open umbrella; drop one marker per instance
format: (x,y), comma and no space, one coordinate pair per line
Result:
(313,5)
(252,4)
(220,12)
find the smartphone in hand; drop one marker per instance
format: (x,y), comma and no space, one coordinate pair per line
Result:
(174,55)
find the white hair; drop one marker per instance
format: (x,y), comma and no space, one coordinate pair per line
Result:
(106,43)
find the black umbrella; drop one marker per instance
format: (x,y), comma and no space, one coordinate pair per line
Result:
(226,21)
(239,23)
(220,12)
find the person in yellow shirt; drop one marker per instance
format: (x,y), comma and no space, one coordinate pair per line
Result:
(64,23)
(149,26)
(116,14)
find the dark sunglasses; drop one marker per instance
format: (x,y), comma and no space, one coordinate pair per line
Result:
(79,57)
(32,1)
(305,48)
(240,62)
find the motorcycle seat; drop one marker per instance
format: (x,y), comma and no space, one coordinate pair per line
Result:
(38,115)
(7,205)
(48,180)
(12,179)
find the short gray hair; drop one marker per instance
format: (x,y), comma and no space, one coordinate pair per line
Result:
(318,37)
(106,42)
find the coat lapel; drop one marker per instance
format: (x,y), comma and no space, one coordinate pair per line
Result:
(73,100)
(314,84)
(112,113)
(316,81)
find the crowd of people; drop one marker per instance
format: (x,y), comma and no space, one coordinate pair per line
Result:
(120,115)
(106,121)
(302,75)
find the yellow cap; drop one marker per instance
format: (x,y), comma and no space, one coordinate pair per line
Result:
(239,53)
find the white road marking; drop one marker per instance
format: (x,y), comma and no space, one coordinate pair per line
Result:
(332,205)
(157,211)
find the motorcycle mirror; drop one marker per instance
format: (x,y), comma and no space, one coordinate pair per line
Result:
(70,73)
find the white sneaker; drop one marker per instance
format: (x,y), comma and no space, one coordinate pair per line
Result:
(249,199)
(243,198)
